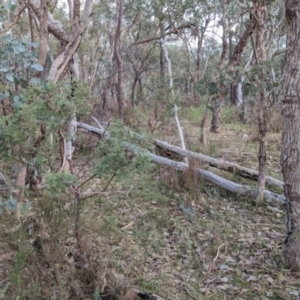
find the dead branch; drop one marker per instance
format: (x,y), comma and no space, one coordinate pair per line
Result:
(90,128)
(243,190)
(220,164)
(240,189)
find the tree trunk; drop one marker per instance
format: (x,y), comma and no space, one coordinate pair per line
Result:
(118,58)
(202,127)
(133,88)
(162,57)
(262,109)
(216,120)
(291,141)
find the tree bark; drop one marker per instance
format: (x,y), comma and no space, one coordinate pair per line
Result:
(118,58)
(239,48)
(162,57)
(202,127)
(291,141)
(216,120)
(225,45)
(43,35)
(260,14)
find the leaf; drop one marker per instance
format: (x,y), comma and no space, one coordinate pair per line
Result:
(17,103)
(224,279)
(9,77)
(212,87)
(11,204)
(37,67)
(34,81)
(34,45)
(7,38)
(13,7)
(294,292)
(26,207)
(202,90)
(4,69)
(20,48)
(224,267)
(25,40)
(251,278)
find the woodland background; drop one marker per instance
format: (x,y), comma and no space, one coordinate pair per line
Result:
(141,149)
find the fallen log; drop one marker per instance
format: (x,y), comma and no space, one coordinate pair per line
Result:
(240,189)
(208,176)
(220,164)
(99,131)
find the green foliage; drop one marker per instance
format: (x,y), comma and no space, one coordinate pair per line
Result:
(114,159)
(217,84)
(56,184)
(17,61)
(16,280)
(47,106)
(3,291)
(11,205)
(194,114)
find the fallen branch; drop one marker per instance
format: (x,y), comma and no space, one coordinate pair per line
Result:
(90,128)
(220,164)
(243,190)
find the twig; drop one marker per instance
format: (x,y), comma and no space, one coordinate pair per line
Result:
(189,293)
(212,265)
(90,178)
(113,175)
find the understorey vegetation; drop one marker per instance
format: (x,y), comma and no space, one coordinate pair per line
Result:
(147,150)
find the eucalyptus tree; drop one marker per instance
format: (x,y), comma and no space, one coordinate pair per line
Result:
(290,142)
(42,21)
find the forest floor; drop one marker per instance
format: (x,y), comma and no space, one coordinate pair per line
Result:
(169,234)
(188,240)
